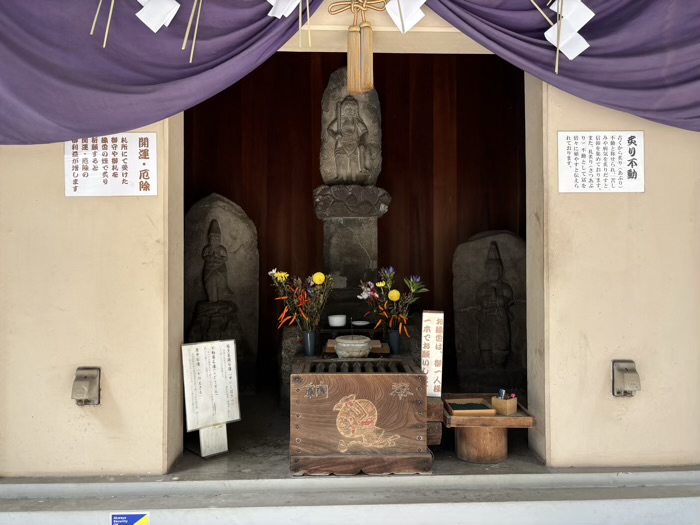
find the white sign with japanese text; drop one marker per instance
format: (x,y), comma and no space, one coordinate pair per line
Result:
(118,165)
(211,384)
(432,339)
(601,161)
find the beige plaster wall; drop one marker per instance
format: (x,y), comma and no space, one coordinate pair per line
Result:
(535,158)
(622,281)
(84,281)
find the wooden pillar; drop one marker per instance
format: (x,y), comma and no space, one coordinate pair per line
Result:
(481,444)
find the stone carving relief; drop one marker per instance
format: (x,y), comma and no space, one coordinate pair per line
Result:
(490,312)
(221,280)
(350,201)
(350,134)
(494,299)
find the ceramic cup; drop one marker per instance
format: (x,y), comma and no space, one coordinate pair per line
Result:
(337,320)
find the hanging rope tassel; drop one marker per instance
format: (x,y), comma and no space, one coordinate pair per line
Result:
(360,45)
(354,65)
(366,58)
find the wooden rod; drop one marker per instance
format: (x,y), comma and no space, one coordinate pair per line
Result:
(189,25)
(109,22)
(94,22)
(196,28)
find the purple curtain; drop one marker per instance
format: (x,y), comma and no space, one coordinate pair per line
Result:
(644,56)
(57,83)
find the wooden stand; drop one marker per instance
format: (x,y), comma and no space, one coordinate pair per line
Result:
(484,439)
(481,444)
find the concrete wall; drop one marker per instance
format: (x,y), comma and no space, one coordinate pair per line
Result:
(621,280)
(85,281)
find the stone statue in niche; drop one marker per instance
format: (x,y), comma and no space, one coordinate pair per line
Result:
(490,312)
(217,317)
(494,299)
(351,134)
(221,280)
(214,275)
(352,155)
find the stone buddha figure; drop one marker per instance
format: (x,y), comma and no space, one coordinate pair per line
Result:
(217,317)
(494,299)
(352,153)
(214,274)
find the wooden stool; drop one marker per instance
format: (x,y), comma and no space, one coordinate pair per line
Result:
(481,444)
(484,438)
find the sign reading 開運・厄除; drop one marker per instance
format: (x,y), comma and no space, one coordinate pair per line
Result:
(601,161)
(118,165)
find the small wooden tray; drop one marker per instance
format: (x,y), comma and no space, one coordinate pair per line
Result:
(376,347)
(488,411)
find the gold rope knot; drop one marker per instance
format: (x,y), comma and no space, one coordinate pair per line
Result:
(357,7)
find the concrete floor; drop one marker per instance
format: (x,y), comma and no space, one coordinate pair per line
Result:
(252,484)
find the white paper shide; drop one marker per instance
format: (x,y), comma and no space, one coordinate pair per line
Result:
(601,161)
(282,8)
(118,165)
(157,13)
(575,14)
(405,13)
(432,340)
(211,384)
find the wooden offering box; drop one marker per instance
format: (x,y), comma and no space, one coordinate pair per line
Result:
(364,415)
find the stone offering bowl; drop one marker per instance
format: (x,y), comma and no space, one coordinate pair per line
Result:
(352,346)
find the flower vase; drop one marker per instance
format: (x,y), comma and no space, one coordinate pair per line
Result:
(394,342)
(309,338)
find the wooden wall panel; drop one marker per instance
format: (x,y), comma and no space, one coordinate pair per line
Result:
(453,162)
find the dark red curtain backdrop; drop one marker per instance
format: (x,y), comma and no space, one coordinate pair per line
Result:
(453,162)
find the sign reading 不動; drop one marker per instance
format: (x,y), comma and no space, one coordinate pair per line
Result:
(432,339)
(601,161)
(118,165)
(129,518)
(211,384)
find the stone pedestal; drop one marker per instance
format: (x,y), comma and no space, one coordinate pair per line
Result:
(349,213)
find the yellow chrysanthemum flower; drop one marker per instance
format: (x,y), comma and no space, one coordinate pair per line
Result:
(394,295)
(281,276)
(319,278)
(381,284)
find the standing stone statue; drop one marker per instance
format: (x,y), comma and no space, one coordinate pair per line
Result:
(214,274)
(494,299)
(221,280)
(490,305)
(351,134)
(352,153)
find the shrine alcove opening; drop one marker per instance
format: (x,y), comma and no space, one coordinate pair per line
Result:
(453,161)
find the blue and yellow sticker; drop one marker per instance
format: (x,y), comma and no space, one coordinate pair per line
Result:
(129,518)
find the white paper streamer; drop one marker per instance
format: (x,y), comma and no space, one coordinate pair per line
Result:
(411,11)
(157,13)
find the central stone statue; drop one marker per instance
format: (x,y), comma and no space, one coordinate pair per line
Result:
(352,156)
(351,134)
